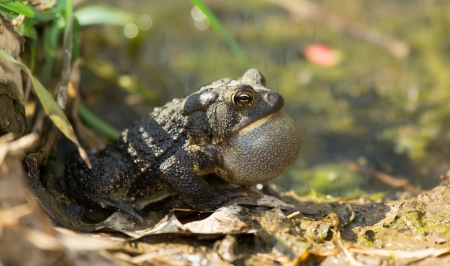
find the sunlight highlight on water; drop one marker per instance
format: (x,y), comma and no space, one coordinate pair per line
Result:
(144,22)
(130,30)
(201,22)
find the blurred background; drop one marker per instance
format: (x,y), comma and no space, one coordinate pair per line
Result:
(366,82)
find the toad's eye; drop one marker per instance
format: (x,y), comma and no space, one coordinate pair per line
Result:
(242,99)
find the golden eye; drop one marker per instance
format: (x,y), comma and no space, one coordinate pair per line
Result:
(242,99)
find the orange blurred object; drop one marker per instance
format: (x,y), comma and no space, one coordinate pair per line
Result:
(322,55)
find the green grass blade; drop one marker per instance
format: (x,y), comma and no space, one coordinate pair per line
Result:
(103,15)
(27,29)
(58,7)
(28,11)
(219,28)
(7,13)
(50,106)
(96,123)
(76,39)
(50,38)
(66,65)
(33,48)
(68,15)
(19,8)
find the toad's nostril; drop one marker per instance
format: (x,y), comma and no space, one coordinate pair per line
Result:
(275,99)
(270,97)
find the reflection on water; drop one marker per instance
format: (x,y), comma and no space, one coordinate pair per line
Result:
(378,104)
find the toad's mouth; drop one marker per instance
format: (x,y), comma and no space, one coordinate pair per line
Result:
(273,101)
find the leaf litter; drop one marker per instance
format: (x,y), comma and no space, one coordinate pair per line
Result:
(253,230)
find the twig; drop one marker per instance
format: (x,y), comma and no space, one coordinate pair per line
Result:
(16,147)
(352,213)
(385,178)
(402,254)
(338,242)
(292,215)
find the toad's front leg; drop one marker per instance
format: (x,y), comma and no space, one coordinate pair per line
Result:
(182,174)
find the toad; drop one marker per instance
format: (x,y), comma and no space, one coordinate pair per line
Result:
(232,128)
